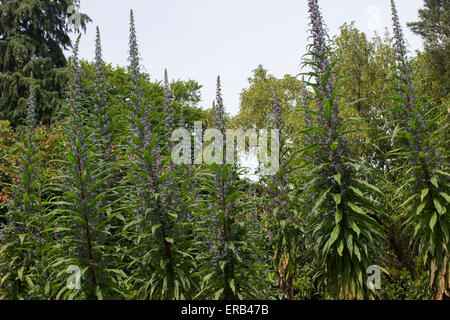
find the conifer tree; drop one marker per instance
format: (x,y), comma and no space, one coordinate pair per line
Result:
(33,35)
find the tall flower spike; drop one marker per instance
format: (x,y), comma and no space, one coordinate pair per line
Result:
(99,75)
(219,111)
(136,90)
(75,120)
(328,114)
(102,121)
(80,175)
(399,39)
(405,79)
(141,112)
(75,87)
(142,129)
(319,43)
(169,198)
(328,118)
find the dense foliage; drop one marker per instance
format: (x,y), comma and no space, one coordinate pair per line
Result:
(93,207)
(33,37)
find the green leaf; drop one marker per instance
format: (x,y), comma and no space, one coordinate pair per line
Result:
(314,128)
(218,294)
(338,216)
(83,177)
(20,273)
(321,199)
(340,247)
(47,288)
(21,238)
(443,173)
(407,201)
(355,208)
(118,272)
(368,185)
(398,98)
(334,235)
(445,230)
(416,230)
(99,293)
(30,283)
(445,196)
(434,182)
(4,247)
(420,208)
(232,286)
(170,240)
(350,244)
(318,227)
(337,199)
(6,276)
(357,192)
(173,215)
(433,221)
(208,277)
(80,220)
(357,253)
(337,177)
(355,228)
(424,194)
(154,227)
(440,209)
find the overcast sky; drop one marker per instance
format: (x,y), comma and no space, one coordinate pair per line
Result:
(200,39)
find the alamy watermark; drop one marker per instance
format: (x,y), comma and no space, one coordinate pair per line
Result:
(74,281)
(374,280)
(212,146)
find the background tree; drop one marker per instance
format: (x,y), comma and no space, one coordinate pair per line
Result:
(434,27)
(368,66)
(256,100)
(186,94)
(33,35)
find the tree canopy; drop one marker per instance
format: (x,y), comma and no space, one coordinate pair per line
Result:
(33,37)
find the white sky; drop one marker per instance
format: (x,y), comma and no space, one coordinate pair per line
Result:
(200,39)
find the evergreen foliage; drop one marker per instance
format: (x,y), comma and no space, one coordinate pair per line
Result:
(33,35)
(94,207)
